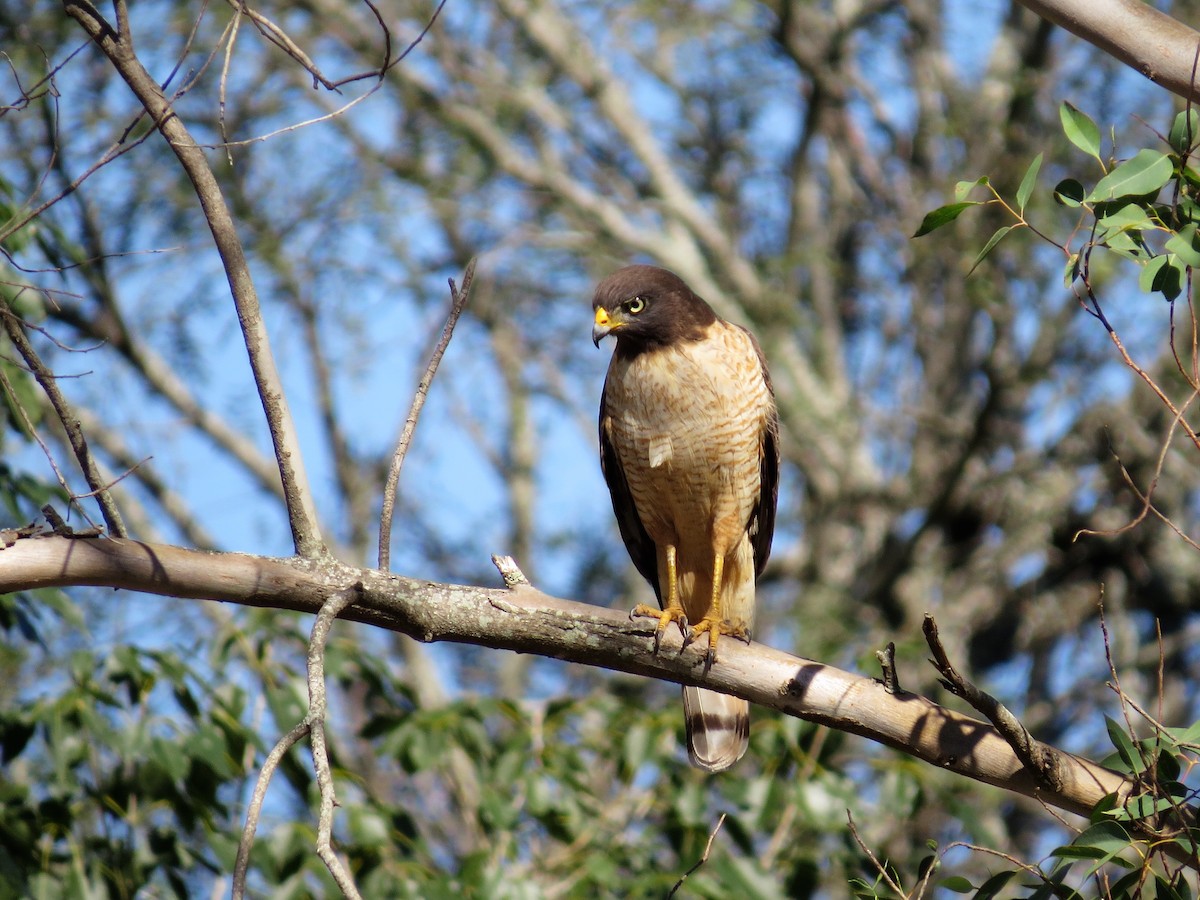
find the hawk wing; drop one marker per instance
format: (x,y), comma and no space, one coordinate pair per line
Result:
(637,541)
(761,526)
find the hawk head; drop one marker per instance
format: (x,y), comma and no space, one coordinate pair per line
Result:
(646,307)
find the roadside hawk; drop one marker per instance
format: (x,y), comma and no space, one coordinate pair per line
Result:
(689,445)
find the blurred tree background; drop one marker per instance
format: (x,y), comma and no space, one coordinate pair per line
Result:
(945,438)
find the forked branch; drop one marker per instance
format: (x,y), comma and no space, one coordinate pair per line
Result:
(117,46)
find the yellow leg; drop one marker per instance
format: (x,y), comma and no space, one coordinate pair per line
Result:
(672,610)
(713,622)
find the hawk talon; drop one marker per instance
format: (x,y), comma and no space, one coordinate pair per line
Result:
(665,617)
(715,629)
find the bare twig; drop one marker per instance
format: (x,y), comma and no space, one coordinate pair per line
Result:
(887,665)
(316,720)
(70,424)
(1040,759)
(254,811)
(312,726)
(509,571)
(703,857)
(881,868)
(275,35)
(117,45)
(1097,311)
(15,401)
(111,444)
(458,301)
(1146,497)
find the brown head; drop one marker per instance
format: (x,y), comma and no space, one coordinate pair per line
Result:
(645,307)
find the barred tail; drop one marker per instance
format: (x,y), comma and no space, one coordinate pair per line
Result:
(718,728)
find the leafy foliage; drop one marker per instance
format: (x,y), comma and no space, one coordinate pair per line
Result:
(944,440)
(1143,209)
(1107,859)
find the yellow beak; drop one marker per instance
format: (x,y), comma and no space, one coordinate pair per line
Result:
(604,324)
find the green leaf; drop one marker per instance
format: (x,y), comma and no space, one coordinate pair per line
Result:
(1150,272)
(1170,279)
(1127,243)
(1071,270)
(1190,735)
(1166,767)
(943,215)
(956,883)
(1080,129)
(994,885)
(990,246)
(1028,182)
(1069,192)
(1168,891)
(1145,174)
(1124,745)
(1185,246)
(1184,131)
(1143,806)
(965,187)
(1102,842)
(1123,215)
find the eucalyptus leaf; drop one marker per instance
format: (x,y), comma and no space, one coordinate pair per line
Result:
(995,239)
(1185,246)
(1069,192)
(1028,182)
(1080,129)
(1140,176)
(965,187)
(1185,131)
(943,215)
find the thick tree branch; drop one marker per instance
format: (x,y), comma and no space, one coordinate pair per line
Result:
(1160,47)
(117,46)
(527,621)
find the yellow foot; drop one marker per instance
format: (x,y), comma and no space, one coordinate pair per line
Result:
(665,617)
(716,628)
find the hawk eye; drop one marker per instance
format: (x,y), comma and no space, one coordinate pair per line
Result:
(634,306)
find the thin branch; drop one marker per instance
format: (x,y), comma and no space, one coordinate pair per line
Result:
(303,60)
(70,423)
(117,46)
(1040,759)
(458,301)
(110,443)
(15,401)
(1145,497)
(712,836)
(317,705)
(1095,310)
(881,868)
(313,726)
(254,811)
